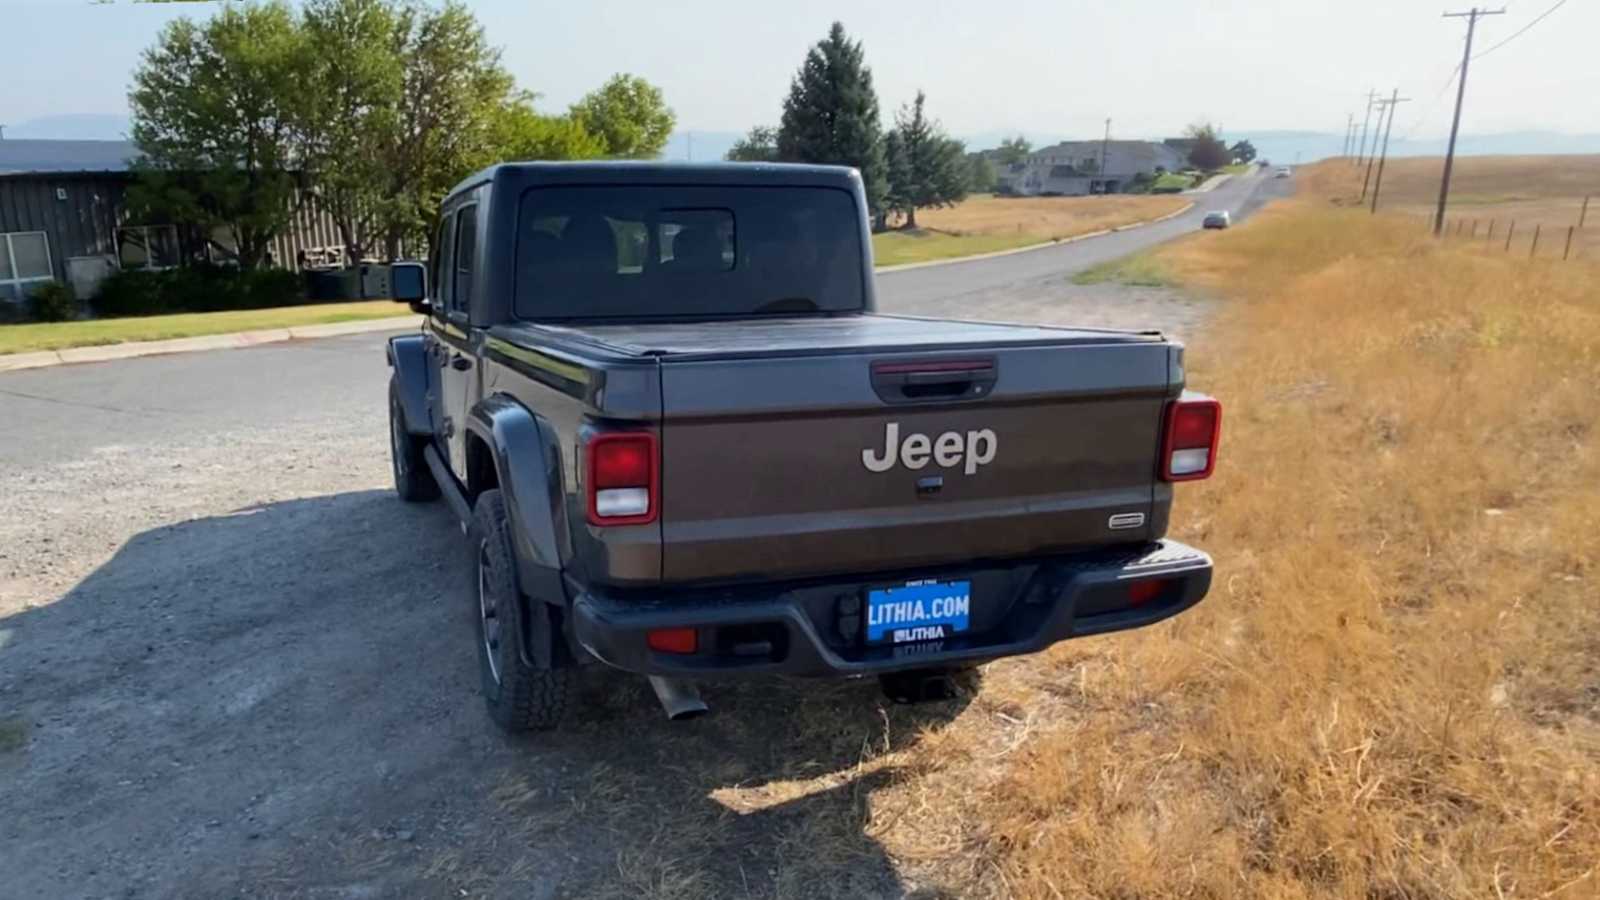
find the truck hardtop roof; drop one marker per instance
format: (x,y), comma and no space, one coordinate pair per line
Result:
(622,172)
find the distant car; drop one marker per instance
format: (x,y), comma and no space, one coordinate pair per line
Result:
(1217,219)
(1283,173)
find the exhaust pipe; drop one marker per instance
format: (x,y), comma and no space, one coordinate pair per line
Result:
(918,686)
(679,699)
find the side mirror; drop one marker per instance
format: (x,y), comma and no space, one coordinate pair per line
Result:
(408,283)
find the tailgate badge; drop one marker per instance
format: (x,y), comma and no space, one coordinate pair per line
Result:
(1122,521)
(950,450)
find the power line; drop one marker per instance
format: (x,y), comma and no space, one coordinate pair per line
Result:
(1541,17)
(1461,94)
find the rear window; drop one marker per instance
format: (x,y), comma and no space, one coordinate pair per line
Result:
(641,251)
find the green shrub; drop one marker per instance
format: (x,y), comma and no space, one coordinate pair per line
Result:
(201,288)
(52,302)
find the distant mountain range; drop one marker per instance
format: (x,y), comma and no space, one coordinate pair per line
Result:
(1277,145)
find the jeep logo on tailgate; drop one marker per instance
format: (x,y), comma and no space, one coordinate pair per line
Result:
(977,448)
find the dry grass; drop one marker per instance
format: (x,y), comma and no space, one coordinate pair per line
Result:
(1049,218)
(984,224)
(1491,192)
(1394,691)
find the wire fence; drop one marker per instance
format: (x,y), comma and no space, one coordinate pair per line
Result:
(1533,236)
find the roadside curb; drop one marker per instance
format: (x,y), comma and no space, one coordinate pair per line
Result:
(12,362)
(906,267)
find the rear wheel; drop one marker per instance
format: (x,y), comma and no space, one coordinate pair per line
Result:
(412,479)
(520,695)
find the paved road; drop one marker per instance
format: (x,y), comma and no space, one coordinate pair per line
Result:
(1005,287)
(64,412)
(232,664)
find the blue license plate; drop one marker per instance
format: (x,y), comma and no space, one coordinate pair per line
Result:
(918,611)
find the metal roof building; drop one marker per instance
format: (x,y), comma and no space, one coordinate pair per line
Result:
(64,217)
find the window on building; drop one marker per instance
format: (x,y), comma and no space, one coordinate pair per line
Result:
(24,262)
(148,247)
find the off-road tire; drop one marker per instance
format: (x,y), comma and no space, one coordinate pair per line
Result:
(413,480)
(520,696)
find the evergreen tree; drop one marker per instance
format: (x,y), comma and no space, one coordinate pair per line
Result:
(831,114)
(926,168)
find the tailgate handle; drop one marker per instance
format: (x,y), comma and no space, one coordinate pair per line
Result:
(933,380)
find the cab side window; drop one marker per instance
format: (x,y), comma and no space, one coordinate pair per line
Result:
(466,259)
(444,266)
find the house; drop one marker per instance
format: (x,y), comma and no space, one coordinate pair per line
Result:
(64,217)
(1087,167)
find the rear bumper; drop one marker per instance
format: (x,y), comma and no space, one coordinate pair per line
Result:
(815,627)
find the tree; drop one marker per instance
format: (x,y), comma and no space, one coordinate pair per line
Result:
(1208,152)
(981,175)
(520,132)
(1013,150)
(926,167)
(214,119)
(831,114)
(629,115)
(1243,151)
(353,83)
(453,92)
(760,145)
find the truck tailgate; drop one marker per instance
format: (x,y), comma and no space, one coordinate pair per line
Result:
(783,466)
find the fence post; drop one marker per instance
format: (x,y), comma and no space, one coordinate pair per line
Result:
(1585,214)
(1535,248)
(1568,252)
(1460,223)
(1474,234)
(1490,236)
(1509,232)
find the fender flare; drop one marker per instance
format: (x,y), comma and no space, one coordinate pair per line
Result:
(408,357)
(527,465)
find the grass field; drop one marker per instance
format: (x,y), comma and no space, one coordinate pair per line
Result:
(1495,191)
(1393,690)
(984,224)
(96,332)
(1139,270)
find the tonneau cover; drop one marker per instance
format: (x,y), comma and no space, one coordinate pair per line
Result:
(803,334)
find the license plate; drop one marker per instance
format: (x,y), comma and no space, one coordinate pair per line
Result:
(918,611)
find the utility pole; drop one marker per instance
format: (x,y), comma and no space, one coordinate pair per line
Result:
(1105,144)
(1394,100)
(1455,124)
(691,146)
(1372,98)
(1349,130)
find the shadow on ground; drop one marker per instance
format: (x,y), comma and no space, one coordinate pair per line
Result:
(283,702)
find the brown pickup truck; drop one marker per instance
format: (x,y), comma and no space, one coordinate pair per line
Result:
(684,444)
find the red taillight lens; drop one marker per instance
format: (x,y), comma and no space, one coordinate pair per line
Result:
(622,479)
(1142,592)
(1189,447)
(672,640)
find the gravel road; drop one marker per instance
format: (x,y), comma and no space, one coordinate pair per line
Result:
(232,664)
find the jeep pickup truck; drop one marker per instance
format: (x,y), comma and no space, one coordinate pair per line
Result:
(683,444)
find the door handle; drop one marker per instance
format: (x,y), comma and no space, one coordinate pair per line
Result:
(460,363)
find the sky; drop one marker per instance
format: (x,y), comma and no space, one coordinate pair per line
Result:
(1041,66)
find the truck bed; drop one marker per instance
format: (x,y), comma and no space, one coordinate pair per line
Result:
(811,335)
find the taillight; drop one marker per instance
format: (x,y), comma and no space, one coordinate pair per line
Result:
(1189,447)
(622,475)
